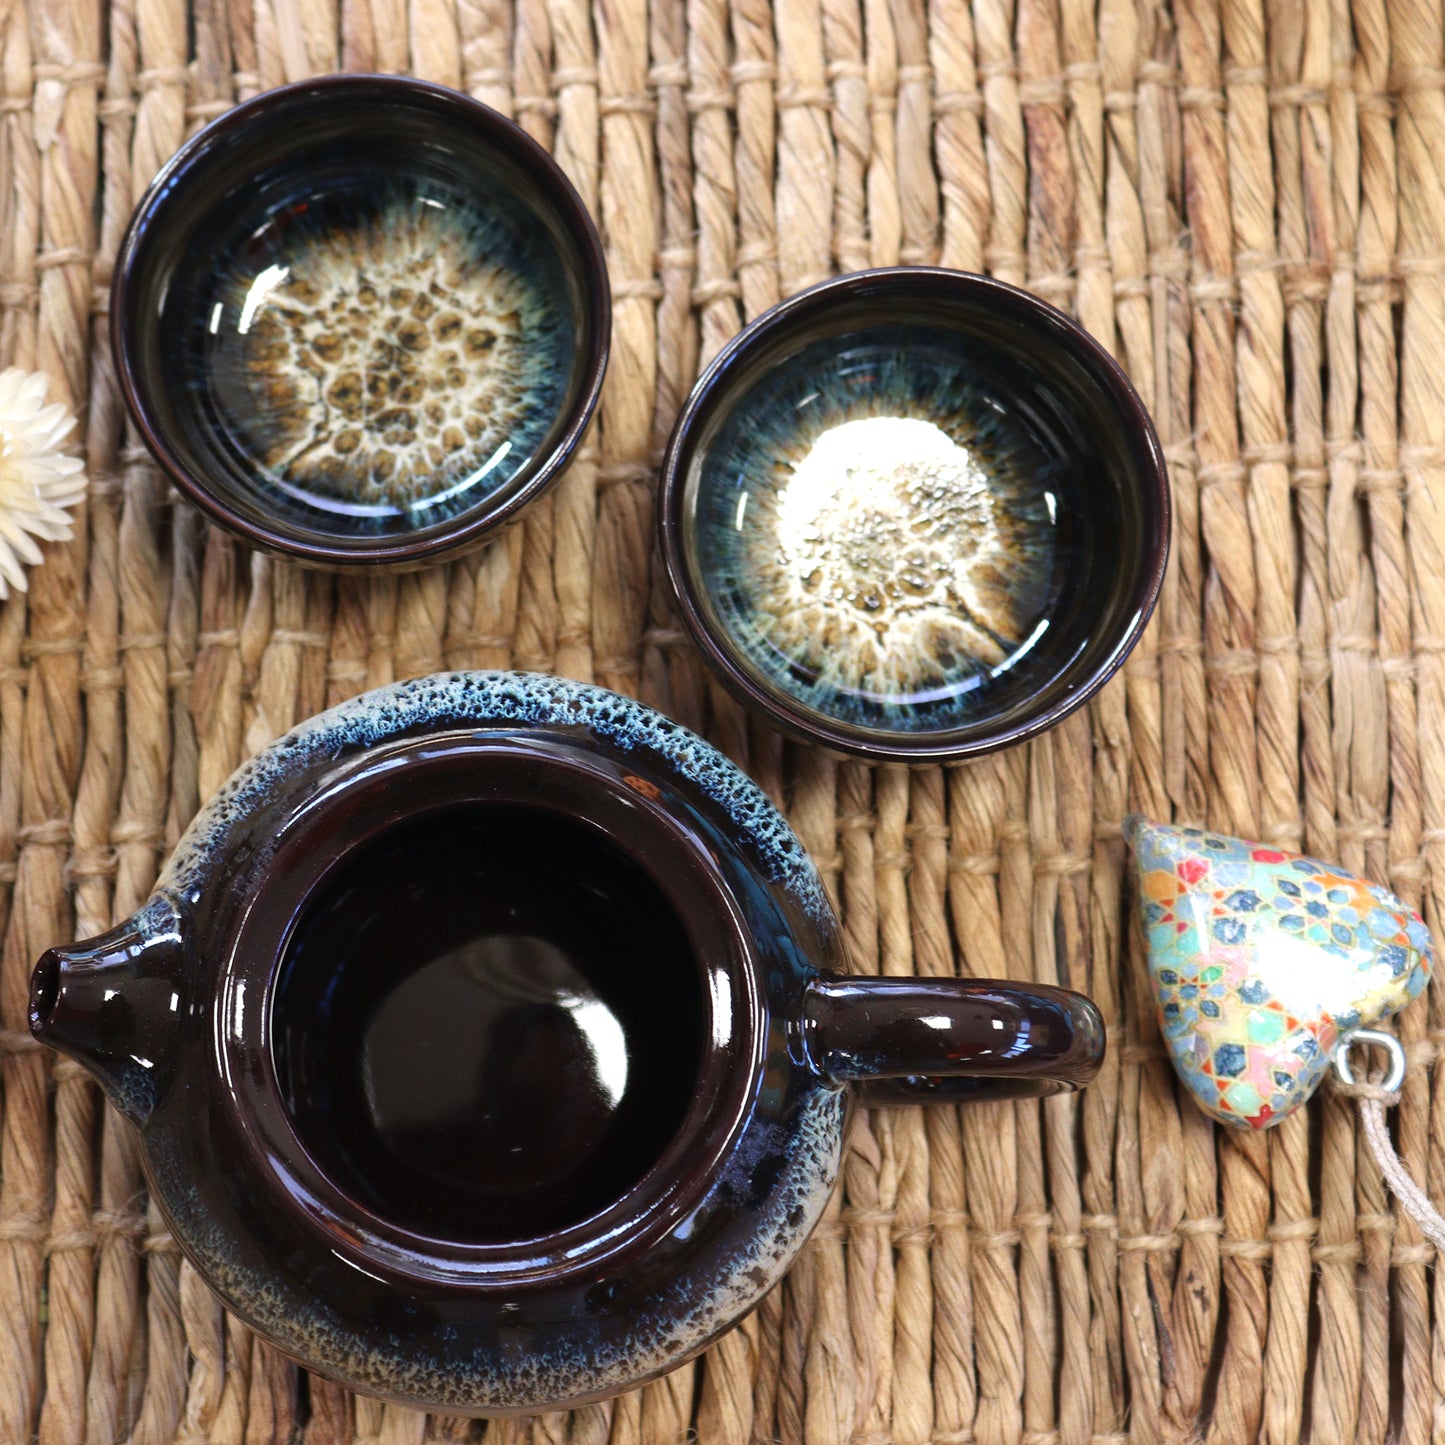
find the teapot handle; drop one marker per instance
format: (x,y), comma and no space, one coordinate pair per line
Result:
(936,1040)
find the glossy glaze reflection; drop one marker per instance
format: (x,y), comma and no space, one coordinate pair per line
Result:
(1262,960)
(382,350)
(488,1025)
(886,530)
(914,514)
(361,319)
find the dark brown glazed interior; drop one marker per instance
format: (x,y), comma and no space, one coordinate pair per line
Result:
(484,781)
(490,1051)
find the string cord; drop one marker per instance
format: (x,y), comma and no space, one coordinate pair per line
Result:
(1412,1198)
(1374,1099)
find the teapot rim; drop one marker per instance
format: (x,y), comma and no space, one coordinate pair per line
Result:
(735,1015)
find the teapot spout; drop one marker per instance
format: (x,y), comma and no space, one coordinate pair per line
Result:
(114,1004)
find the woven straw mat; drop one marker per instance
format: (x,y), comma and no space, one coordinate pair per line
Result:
(1243,199)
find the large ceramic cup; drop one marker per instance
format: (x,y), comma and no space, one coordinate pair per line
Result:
(361,321)
(914,515)
(491,1048)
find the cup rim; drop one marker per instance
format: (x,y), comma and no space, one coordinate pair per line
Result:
(187,165)
(806,724)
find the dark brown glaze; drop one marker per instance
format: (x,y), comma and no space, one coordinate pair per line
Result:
(1096,419)
(912,1040)
(216,1026)
(249,146)
(489,1023)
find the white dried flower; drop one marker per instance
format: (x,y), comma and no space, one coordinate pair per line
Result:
(37,481)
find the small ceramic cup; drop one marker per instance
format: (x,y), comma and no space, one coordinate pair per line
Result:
(361,320)
(490,1047)
(914,515)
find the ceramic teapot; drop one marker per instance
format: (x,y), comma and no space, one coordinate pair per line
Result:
(491,1045)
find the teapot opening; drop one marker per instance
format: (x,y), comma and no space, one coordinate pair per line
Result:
(488,1023)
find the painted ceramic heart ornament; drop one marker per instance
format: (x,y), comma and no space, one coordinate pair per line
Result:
(1261,961)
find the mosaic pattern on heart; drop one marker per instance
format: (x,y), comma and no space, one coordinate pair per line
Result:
(1261,959)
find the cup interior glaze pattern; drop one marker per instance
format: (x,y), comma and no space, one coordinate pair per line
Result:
(914,514)
(361,319)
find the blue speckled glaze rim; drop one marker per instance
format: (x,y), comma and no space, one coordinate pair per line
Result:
(444,539)
(795,718)
(497,699)
(584,1367)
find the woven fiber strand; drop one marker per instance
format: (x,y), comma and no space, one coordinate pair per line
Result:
(1242,198)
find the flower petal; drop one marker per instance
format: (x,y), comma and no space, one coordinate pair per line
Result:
(38,482)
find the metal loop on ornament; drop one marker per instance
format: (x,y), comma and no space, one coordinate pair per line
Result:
(1395,1076)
